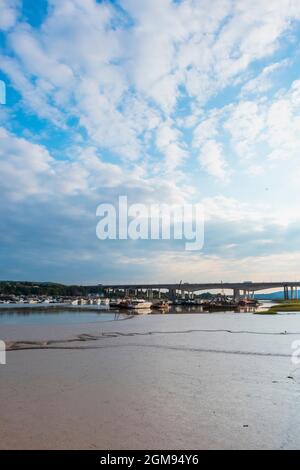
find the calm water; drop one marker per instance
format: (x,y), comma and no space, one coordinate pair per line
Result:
(35,315)
(55,318)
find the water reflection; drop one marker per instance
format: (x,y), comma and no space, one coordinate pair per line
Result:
(87,314)
(38,317)
(182,309)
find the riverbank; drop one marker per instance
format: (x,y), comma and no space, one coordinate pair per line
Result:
(159,381)
(285,306)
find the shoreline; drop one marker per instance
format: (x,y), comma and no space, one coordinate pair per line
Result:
(43,308)
(156,381)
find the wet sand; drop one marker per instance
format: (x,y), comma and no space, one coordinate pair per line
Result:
(153,382)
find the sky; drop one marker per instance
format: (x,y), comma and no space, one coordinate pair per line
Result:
(175,102)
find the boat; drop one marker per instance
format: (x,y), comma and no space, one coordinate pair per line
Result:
(220,302)
(161,305)
(114,303)
(248,302)
(136,304)
(141,311)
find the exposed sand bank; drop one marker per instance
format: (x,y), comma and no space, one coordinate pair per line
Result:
(178,381)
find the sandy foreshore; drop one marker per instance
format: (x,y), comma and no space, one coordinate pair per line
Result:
(153,382)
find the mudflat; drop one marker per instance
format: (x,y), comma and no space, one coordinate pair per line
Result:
(203,381)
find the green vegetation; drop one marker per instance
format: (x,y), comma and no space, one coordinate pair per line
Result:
(20,288)
(206,296)
(45,288)
(265,312)
(285,306)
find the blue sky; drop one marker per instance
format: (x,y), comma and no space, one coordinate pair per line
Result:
(162,101)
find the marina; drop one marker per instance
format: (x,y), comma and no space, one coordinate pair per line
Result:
(134,299)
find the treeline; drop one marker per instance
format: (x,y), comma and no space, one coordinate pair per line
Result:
(53,289)
(45,288)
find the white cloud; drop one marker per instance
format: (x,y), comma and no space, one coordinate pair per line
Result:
(81,66)
(34,98)
(260,132)
(245,124)
(141,81)
(263,82)
(230,209)
(24,167)
(27,169)
(211,158)
(207,129)
(8,14)
(168,142)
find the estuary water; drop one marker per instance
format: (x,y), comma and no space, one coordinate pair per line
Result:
(59,317)
(179,381)
(20,314)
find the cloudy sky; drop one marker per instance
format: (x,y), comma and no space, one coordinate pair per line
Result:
(165,102)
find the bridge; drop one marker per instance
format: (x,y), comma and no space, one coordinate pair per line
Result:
(238,288)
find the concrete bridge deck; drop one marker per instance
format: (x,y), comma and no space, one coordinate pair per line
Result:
(252,286)
(236,287)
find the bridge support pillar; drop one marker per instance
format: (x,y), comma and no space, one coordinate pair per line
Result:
(236,295)
(286,293)
(150,294)
(172,295)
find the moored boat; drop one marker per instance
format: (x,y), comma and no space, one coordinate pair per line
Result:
(248,302)
(137,304)
(161,305)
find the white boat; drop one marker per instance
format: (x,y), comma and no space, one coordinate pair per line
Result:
(105,301)
(137,304)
